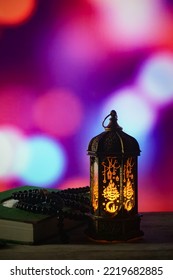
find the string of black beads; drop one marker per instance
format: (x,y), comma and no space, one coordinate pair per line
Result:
(55,202)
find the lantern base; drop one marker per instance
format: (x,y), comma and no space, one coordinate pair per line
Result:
(114,229)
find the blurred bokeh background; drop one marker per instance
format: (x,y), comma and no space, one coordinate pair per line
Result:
(63,66)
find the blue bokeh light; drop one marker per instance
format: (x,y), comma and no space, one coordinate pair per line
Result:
(136,115)
(46,163)
(155,78)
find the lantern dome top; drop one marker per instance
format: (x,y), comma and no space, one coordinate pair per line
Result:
(113,141)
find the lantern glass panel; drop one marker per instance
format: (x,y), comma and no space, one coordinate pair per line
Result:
(94,184)
(111,182)
(129,183)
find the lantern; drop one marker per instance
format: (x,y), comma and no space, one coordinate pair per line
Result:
(113,184)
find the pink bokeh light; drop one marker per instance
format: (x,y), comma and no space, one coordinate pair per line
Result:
(134,24)
(58,112)
(79,41)
(16,103)
(152,200)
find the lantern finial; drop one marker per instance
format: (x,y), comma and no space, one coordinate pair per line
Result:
(113,125)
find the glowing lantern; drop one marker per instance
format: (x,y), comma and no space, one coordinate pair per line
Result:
(113,184)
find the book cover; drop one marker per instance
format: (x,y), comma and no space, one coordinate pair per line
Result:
(21,226)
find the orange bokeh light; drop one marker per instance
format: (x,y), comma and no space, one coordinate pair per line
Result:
(14,12)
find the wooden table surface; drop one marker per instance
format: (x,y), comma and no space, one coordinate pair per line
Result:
(157,243)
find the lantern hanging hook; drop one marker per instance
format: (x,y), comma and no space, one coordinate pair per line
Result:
(112,121)
(105,120)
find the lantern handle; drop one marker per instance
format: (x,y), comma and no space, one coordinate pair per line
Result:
(105,120)
(113,121)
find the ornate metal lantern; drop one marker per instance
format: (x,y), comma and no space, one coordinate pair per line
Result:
(113,184)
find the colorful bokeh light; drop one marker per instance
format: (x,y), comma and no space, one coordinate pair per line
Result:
(46,161)
(155,78)
(14,12)
(136,116)
(16,106)
(11,140)
(132,24)
(65,117)
(78,42)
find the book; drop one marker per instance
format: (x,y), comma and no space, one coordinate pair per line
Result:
(25,227)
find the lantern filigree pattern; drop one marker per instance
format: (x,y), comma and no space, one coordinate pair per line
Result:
(111,186)
(128,185)
(110,169)
(112,198)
